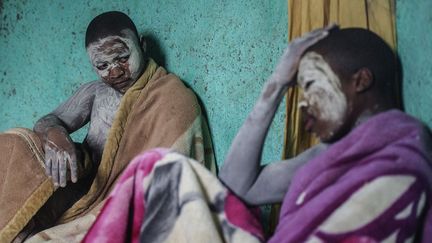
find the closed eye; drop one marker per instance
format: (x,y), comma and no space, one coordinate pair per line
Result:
(102,66)
(123,59)
(308,84)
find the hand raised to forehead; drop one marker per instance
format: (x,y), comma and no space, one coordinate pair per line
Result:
(288,64)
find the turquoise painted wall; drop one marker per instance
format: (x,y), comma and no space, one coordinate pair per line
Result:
(414,28)
(223,49)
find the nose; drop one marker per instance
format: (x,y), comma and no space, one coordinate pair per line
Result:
(302,103)
(116,72)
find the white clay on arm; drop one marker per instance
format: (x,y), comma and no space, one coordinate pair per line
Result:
(242,164)
(75,111)
(54,130)
(71,114)
(274,179)
(242,171)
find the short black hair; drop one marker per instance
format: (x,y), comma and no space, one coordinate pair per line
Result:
(347,50)
(108,24)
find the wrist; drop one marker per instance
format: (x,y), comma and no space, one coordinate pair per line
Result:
(48,122)
(274,89)
(55,129)
(58,137)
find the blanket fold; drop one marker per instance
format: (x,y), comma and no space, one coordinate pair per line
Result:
(24,187)
(380,172)
(167,197)
(157,111)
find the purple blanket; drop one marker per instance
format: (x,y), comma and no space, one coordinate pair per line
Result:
(373,185)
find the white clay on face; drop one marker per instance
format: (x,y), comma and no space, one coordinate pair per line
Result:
(107,56)
(122,47)
(136,61)
(322,94)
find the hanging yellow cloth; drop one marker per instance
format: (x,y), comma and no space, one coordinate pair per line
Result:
(306,15)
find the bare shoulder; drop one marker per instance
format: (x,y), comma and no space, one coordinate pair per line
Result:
(83,98)
(88,89)
(96,87)
(100,91)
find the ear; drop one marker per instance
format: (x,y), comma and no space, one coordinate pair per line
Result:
(143,44)
(362,80)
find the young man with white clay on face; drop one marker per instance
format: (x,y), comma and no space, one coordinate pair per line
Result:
(368,179)
(324,103)
(119,61)
(134,106)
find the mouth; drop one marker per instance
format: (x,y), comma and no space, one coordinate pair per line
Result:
(120,84)
(308,121)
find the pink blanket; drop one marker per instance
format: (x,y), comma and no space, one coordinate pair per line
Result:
(166,197)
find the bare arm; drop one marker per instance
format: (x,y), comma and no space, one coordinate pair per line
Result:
(273,180)
(241,171)
(54,129)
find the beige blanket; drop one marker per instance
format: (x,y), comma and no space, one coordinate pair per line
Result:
(24,187)
(158,111)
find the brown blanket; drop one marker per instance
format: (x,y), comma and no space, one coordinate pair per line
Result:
(158,111)
(21,196)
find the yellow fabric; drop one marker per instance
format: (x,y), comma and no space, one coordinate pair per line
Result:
(196,143)
(39,189)
(306,15)
(157,111)
(112,144)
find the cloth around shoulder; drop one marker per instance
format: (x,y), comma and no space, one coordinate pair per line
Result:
(389,149)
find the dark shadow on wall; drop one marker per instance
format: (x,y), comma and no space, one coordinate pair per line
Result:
(153,48)
(155,51)
(399,84)
(205,116)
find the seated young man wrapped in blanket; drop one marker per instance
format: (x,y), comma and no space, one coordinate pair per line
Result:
(135,106)
(368,181)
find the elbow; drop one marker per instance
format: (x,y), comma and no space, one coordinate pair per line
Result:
(226,180)
(234,186)
(45,122)
(249,199)
(38,126)
(233,182)
(223,175)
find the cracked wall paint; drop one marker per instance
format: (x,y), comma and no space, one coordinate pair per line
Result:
(224,50)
